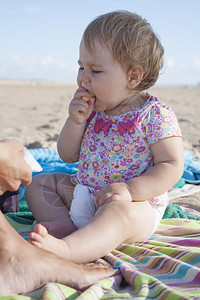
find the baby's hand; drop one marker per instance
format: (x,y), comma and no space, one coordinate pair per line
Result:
(81,105)
(113,192)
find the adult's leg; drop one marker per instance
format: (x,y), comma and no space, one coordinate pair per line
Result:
(33,267)
(114,223)
(49,198)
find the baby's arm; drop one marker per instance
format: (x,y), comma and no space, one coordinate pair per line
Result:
(166,171)
(70,137)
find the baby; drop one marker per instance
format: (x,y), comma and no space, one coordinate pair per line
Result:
(128,144)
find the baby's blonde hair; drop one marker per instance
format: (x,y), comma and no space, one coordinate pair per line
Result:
(131,41)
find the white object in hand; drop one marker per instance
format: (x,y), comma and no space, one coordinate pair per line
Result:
(30,160)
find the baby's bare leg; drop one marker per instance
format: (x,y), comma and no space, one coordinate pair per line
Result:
(22,271)
(113,224)
(49,198)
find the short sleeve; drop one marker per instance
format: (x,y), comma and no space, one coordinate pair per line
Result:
(160,123)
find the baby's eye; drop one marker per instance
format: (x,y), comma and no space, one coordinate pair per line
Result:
(81,68)
(95,71)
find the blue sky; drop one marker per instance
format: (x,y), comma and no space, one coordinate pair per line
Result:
(39,39)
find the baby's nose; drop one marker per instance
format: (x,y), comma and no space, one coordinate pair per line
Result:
(84,76)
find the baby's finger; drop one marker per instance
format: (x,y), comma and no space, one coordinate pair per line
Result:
(81,92)
(79,105)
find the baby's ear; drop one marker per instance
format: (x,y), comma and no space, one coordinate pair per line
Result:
(134,76)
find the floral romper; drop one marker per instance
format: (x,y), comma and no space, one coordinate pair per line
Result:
(117,148)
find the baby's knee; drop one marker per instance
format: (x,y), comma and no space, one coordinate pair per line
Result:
(136,217)
(122,210)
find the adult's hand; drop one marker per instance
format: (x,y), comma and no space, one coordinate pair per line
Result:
(14,171)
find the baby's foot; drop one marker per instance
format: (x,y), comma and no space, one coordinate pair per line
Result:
(42,239)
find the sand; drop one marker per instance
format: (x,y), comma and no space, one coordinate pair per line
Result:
(34,112)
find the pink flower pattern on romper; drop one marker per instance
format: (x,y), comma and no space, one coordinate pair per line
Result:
(117,148)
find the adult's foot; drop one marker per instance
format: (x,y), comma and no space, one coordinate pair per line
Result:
(29,267)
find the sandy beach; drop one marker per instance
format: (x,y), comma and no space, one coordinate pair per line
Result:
(35,111)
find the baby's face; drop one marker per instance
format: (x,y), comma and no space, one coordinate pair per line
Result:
(102,76)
